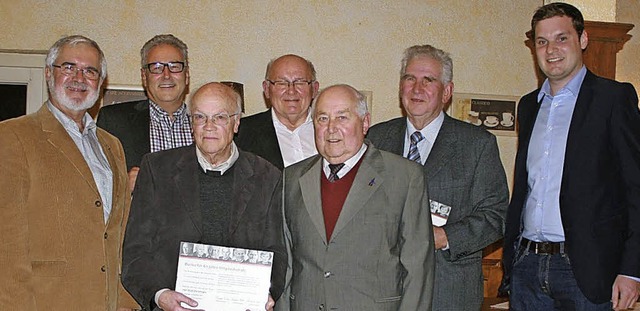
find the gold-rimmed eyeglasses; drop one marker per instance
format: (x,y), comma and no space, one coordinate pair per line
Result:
(71,69)
(220,119)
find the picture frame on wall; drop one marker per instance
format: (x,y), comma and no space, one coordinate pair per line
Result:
(122,93)
(496,113)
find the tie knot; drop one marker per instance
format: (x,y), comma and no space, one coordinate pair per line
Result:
(334,168)
(416,137)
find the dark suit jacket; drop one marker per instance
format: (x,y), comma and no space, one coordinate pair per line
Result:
(256,134)
(600,187)
(465,172)
(166,210)
(129,122)
(380,255)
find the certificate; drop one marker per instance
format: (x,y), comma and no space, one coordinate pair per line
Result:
(224,278)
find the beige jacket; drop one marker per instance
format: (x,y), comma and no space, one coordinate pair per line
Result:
(56,253)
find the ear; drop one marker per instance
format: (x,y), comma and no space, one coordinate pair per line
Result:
(447,92)
(265,89)
(584,40)
(143,77)
(365,123)
(236,124)
(315,86)
(47,72)
(187,76)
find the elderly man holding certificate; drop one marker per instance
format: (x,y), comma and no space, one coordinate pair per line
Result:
(208,193)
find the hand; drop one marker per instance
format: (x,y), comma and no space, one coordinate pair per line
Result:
(270,304)
(625,293)
(170,301)
(133,175)
(440,237)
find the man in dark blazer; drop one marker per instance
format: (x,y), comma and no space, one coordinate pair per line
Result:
(162,121)
(360,237)
(466,180)
(283,134)
(211,193)
(575,209)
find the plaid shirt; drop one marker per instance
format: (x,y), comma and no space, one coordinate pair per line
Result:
(166,133)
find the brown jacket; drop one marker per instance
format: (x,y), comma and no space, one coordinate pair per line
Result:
(56,252)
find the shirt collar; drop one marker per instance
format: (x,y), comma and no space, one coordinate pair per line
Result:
(348,164)
(222,167)
(69,125)
(157,111)
(572,86)
(278,125)
(430,132)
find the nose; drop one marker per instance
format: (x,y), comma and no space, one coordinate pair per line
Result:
(165,72)
(551,47)
(417,87)
(78,75)
(291,89)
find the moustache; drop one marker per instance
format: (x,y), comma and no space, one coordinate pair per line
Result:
(76,85)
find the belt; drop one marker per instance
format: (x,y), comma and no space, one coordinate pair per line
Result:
(543,248)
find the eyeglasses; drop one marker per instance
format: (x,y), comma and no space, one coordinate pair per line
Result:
(220,119)
(158,67)
(297,84)
(70,69)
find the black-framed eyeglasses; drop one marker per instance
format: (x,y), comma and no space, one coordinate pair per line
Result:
(71,69)
(284,84)
(220,119)
(158,67)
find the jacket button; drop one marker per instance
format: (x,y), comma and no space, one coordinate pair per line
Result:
(103,268)
(327,274)
(105,235)
(321,307)
(98,203)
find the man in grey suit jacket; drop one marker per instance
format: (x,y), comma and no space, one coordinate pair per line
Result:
(467,184)
(356,219)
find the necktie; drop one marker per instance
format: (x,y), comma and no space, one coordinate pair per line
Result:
(334,168)
(414,154)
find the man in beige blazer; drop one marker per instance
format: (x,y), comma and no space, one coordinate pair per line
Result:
(357,219)
(63,197)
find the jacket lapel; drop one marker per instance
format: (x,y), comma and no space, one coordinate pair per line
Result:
(367,181)
(242,191)
(58,137)
(185,178)
(583,103)
(443,149)
(311,196)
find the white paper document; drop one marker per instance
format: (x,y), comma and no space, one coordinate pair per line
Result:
(224,278)
(439,213)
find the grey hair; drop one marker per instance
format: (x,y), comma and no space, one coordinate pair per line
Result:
(168,39)
(312,69)
(434,53)
(361,105)
(74,40)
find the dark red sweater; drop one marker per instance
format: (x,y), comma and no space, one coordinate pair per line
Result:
(333,196)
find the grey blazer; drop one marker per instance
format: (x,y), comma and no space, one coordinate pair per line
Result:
(465,172)
(380,256)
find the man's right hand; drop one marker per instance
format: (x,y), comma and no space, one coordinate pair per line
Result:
(133,175)
(170,300)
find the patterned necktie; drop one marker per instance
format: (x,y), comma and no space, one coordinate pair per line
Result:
(334,168)
(414,154)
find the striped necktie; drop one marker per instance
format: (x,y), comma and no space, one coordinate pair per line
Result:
(334,168)
(414,154)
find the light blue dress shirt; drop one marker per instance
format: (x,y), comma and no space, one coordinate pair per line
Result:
(545,161)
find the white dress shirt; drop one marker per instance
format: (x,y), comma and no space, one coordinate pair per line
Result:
(295,145)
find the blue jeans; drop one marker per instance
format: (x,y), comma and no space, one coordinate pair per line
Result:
(546,282)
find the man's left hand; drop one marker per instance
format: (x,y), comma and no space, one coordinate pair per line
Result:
(625,293)
(440,237)
(270,304)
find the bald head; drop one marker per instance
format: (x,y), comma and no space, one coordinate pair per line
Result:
(219,91)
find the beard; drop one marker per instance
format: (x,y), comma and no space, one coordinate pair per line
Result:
(58,94)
